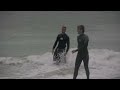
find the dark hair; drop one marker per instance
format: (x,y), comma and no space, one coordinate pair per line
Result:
(63,26)
(82,28)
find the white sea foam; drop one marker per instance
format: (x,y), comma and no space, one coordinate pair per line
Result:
(103,63)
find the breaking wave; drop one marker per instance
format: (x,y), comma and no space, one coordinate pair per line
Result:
(103,63)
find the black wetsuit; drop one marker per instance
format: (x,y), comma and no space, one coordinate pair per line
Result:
(62,40)
(82,54)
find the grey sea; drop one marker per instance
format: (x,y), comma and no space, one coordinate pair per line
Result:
(27,38)
(34,32)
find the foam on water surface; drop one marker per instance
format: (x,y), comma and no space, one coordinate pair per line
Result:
(103,63)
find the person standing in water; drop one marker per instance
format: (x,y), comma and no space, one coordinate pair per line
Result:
(83,54)
(63,45)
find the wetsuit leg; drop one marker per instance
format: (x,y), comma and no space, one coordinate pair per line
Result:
(86,62)
(62,56)
(56,56)
(59,54)
(77,65)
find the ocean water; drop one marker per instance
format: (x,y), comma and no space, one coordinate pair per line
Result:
(34,32)
(104,64)
(27,38)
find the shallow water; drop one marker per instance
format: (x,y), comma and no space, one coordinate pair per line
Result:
(26,40)
(103,64)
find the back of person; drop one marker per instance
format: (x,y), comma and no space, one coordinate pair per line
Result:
(82,54)
(83,44)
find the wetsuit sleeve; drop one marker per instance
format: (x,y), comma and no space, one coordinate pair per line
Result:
(57,39)
(68,44)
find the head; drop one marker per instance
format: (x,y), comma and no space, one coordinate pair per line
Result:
(63,29)
(80,29)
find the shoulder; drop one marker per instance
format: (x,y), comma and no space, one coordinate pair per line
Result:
(86,36)
(66,35)
(59,35)
(78,36)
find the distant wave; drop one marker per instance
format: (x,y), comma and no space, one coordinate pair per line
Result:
(103,63)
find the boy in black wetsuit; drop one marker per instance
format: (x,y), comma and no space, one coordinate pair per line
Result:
(82,54)
(62,40)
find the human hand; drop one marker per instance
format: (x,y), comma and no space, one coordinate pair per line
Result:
(73,51)
(65,53)
(52,51)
